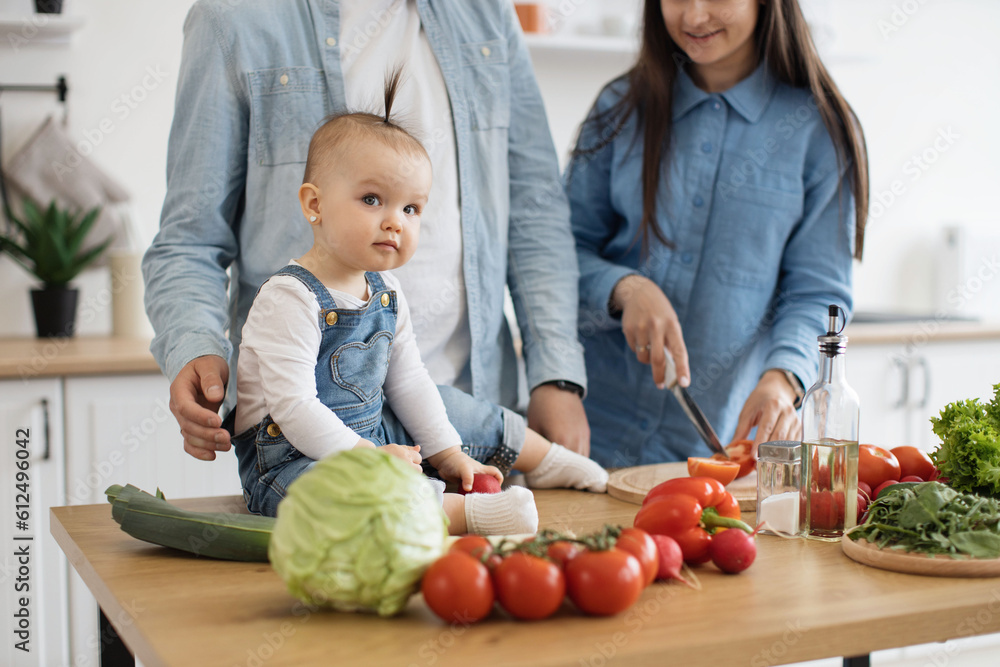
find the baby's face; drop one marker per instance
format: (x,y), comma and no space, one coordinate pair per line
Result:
(371,203)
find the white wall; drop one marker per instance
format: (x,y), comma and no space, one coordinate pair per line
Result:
(938,70)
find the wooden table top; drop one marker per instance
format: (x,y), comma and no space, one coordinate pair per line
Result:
(800,600)
(26,358)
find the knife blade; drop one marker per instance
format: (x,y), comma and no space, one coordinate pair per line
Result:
(691,409)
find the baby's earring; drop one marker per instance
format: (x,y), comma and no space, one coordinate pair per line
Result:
(312,218)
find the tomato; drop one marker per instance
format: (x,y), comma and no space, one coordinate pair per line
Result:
(666,515)
(862,506)
(562,552)
(865,489)
(913,461)
(742,452)
(912,478)
(529,587)
(638,543)
(604,583)
(876,465)
(458,588)
(476,546)
(708,491)
(724,471)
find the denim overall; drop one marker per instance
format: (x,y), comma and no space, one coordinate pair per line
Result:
(351,366)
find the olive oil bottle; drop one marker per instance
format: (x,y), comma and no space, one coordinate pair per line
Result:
(830,417)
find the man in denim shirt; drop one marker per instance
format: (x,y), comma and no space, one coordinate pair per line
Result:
(256,79)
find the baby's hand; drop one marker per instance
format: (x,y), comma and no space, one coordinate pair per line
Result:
(409,454)
(454,465)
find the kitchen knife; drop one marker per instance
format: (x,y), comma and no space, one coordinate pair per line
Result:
(691,409)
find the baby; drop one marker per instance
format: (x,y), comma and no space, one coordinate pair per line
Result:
(329,361)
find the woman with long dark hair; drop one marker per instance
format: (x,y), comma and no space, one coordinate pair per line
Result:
(719,191)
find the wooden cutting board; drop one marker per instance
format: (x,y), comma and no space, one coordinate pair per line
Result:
(632,484)
(937,565)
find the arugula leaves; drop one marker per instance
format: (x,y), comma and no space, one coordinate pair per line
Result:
(969,455)
(935,519)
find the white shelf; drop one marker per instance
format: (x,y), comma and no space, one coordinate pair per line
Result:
(581,44)
(21,31)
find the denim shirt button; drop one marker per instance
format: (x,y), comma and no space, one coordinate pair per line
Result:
(385,299)
(687,257)
(716,105)
(284,80)
(698,201)
(706,147)
(331,318)
(331,41)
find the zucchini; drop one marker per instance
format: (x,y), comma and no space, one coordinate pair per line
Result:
(227,536)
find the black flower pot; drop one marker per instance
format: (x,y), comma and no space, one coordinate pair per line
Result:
(55,311)
(48,6)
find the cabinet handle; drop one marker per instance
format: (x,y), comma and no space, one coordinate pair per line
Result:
(45,429)
(904,374)
(922,363)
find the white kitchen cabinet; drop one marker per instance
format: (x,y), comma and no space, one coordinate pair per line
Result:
(119,430)
(903,384)
(31,413)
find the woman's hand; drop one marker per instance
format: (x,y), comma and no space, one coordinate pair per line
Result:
(650,325)
(454,465)
(771,408)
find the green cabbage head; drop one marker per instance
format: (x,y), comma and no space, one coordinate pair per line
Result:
(356,533)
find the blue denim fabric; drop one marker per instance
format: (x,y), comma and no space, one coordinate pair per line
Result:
(763,244)
(351,367)
(256,79)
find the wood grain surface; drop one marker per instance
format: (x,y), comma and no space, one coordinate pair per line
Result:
(632,484)
(800,600)
(83,355)
(937,565)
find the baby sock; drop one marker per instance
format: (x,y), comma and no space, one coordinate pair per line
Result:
(511,512)
(562,468)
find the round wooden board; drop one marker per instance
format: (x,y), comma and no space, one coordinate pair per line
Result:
(632,484)
(937,565)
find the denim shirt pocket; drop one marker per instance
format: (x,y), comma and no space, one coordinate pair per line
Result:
(757,215)
(287,105)
(487,83)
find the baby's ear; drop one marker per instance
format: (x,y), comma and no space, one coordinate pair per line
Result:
(309,201)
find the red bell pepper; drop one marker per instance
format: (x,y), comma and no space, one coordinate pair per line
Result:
(690,510)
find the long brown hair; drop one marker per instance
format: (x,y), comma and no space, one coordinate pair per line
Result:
(783,41)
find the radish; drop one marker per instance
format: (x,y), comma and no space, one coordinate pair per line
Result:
(733,550)
(670,559)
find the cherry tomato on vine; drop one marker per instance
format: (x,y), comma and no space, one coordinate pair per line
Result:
(529,587)
(458,588)
(604,583)
(563,551)
(638,543)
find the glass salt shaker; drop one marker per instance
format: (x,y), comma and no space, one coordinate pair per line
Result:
(779,470)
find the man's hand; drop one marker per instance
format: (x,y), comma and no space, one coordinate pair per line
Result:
(195,396)
(771,408)
(558,415)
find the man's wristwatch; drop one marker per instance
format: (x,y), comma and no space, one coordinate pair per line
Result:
(793,380)
(566,386)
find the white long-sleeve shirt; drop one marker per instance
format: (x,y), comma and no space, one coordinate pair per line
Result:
(277,373)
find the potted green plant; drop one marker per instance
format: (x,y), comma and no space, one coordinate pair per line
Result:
(48,243)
